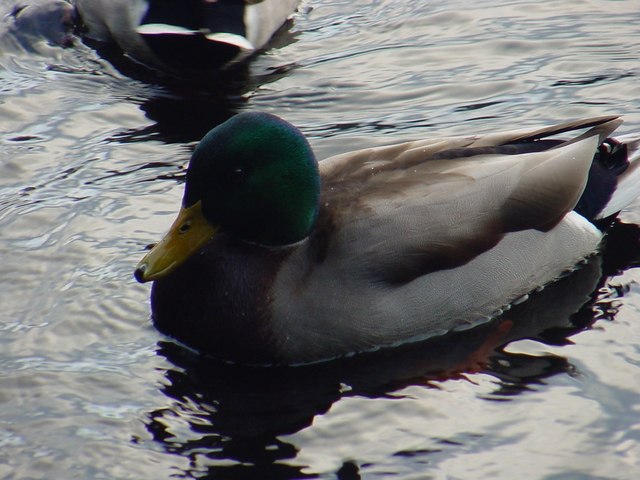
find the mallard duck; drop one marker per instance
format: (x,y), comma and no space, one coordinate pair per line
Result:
(278,259)
(196,35)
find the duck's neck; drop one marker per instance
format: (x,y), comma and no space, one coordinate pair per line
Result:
(219,301)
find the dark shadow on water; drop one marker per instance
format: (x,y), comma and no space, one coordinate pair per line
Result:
(181,117)
(227,419)
(184,112)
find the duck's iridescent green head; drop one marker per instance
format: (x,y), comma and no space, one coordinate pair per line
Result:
(254,177)
(257,178)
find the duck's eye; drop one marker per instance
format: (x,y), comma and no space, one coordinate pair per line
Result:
(236,175)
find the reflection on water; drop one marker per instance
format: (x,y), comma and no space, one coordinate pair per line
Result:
(223,411)
(92,159)
(181,119)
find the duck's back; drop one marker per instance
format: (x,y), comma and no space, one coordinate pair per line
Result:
(410,244)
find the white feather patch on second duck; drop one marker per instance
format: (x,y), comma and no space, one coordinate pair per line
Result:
(163,34)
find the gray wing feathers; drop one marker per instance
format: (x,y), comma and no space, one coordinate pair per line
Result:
(395,223)
(414,217)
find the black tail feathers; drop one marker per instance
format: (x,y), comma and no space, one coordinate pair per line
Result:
(609,162)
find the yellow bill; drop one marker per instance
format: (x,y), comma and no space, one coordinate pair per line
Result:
(187,234)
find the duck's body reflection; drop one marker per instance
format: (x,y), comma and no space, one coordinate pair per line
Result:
(237,412)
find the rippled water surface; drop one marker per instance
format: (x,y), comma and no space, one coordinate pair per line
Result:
(90,173)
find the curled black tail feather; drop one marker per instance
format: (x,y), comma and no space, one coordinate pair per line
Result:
(609,162)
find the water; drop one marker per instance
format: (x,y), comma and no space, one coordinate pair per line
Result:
(90,173)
